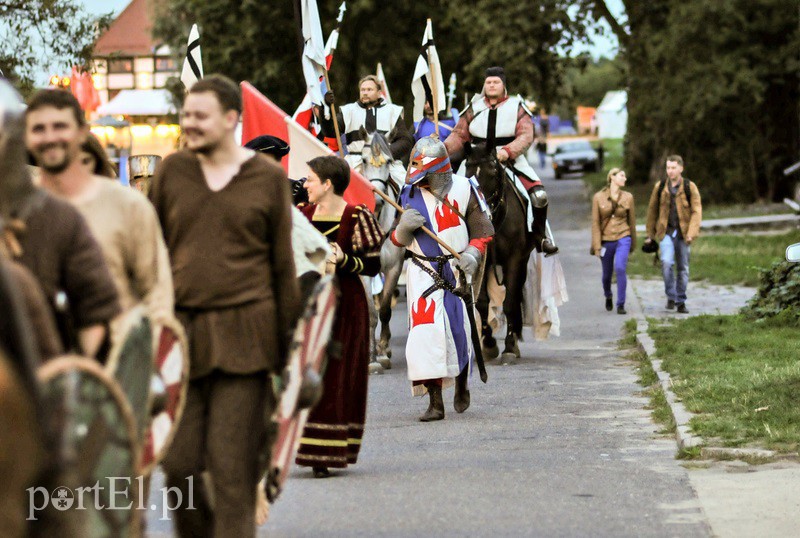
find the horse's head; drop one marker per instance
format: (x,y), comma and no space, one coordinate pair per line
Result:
(376,152)
(483,164)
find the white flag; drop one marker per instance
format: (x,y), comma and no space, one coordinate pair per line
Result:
(313,51)
(421,85)
(384,87)
(193,64)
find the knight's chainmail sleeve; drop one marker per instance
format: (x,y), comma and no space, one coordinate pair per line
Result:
(478,222)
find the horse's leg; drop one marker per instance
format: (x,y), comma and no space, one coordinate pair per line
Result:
(391,275)
(489,344)
(512,307)
(374,366)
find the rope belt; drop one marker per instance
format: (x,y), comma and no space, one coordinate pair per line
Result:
(439,281)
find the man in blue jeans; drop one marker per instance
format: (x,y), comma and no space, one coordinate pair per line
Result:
(673,219)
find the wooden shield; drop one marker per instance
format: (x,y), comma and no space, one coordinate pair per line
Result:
(172,366)
(97,439)
(308,352)
(131,364)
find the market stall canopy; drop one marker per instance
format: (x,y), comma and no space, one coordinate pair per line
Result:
(139,103)
(110,121)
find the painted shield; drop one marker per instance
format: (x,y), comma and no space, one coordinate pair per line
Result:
(172,368)
(96,436)
(131,364)
(306,361)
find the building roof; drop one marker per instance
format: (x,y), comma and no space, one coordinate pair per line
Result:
(139,103)
(129,34)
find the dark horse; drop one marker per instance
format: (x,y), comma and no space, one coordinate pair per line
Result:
(508,253)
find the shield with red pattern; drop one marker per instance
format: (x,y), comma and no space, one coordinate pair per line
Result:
(172,373)
(308,353)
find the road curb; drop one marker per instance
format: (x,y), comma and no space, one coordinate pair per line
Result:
(683,432)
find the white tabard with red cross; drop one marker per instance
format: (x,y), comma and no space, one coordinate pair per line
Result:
(431,351)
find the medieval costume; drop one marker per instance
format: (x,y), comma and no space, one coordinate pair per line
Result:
(51,239)
(426,127)
(360,119)
(439,346)
(237,296)
(505,125)
(126,227)
(332,436)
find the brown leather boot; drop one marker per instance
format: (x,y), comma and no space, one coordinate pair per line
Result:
(436,407)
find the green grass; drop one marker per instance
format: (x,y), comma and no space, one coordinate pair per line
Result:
(741,377)
(726,259)
(648,378)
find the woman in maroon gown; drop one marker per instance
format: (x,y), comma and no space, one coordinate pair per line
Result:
(332,436)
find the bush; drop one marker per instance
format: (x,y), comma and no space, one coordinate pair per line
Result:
(778,293)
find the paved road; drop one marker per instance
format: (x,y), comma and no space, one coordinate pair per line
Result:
(557,445)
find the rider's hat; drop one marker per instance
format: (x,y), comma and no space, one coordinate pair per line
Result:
(497,72)
(271,145)
(429,156)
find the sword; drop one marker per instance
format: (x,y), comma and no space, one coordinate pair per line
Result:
(469,301)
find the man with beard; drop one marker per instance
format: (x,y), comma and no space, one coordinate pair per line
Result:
(121,219)
(51,239)
(368,115)
(225,213)
(501,121)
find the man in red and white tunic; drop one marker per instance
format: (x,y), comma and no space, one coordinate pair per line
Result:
(502,122)
(439,349)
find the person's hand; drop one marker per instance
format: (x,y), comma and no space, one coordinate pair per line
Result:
(502,155)
(598,253)
(338,255)
(410,221)
(329,98)
(689,239)
(469,261)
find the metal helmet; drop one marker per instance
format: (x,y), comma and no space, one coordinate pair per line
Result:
(15,183)
(429,156)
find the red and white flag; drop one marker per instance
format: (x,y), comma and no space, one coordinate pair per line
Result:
(261,116)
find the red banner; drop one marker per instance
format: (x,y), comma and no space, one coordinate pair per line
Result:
(260,116)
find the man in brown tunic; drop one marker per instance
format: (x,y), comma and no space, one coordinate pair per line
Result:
(225,213)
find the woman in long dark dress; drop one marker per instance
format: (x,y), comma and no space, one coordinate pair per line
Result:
(332,436)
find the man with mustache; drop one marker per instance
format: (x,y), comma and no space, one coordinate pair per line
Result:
(120,218)
(226,216)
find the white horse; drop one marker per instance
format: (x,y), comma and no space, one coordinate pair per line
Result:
(386,176)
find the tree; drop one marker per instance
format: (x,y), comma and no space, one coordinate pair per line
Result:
(724,95)
(257,41)
(38,33)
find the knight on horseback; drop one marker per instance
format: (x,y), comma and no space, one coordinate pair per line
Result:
(501,121)
(371,114)
(440,345)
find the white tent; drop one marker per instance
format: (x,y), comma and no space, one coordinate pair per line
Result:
(612,115)
(139,103)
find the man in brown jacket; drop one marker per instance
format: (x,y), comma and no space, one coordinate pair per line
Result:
(226,216)
(673,219)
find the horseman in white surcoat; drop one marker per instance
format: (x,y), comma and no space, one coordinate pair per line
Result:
(502,122)
(371,114)
(439,349)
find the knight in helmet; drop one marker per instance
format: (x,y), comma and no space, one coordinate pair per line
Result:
(501,121)
(439,350)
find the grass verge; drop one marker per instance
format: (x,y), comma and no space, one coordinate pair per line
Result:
(727,259)
(741,377)
(658,406)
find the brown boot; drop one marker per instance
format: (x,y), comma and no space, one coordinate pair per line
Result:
(461,399)
(436,408)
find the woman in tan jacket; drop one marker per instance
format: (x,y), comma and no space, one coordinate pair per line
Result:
(614,234)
